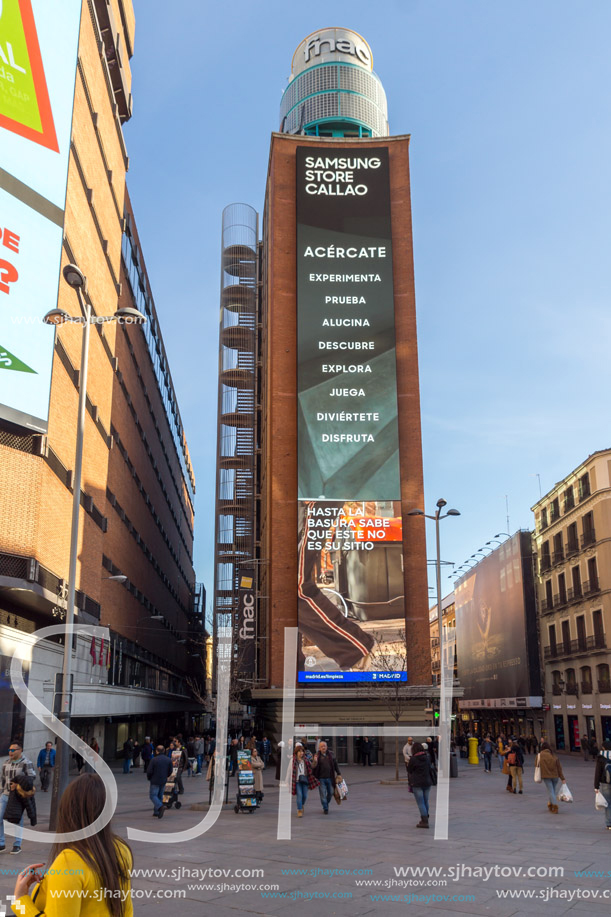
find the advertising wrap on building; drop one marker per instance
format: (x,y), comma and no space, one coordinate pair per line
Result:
(350,588)
(247,625)
(496,630)
(38,52)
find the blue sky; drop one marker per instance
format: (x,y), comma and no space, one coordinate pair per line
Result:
(508,106)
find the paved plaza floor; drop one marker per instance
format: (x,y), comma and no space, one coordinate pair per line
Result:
(371,838)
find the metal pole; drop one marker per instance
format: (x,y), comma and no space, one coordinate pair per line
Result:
(61,770)
(443,780)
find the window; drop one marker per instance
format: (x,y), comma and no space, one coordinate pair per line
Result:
(571,684)
(572,539)
(604,683)
(554,510)
(566,637)
(546,560)
(584,486)
(568,499)
(576,579)
(549,599)
(581,632)
(562,589)
(589,536)
(592,584)
(552,639)
(597,625)
(556,681)
(558,548)
(585,673)
(543,519)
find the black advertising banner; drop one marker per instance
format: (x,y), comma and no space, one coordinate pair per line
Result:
(350,589)
(493,625)
(247,625)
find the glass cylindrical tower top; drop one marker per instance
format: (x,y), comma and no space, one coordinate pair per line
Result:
(333,91)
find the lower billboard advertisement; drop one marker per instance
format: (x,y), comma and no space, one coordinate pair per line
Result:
(350,591)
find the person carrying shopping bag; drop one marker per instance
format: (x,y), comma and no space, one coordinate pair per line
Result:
(551,774)
(602,779)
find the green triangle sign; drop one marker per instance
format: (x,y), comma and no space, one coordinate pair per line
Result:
(10,361)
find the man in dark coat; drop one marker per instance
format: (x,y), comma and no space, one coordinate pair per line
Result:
(325,770)
(158,771)
(366,749)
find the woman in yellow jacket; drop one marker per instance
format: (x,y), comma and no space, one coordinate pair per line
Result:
(88,878)
(504,748)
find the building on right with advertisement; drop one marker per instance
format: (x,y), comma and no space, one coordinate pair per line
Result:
(573,543)
(496,642)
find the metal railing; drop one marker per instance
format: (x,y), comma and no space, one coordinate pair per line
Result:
(571,647)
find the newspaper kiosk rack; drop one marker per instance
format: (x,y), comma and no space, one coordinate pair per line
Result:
(246,798)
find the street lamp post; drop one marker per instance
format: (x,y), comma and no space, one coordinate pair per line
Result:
(444,713)
(75,278)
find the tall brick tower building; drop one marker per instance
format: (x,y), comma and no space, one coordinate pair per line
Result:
(330,400)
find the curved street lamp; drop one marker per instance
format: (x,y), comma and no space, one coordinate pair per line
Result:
(75,278)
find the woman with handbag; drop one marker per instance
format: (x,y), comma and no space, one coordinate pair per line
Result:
(420,781)
(303,778)
(549,770)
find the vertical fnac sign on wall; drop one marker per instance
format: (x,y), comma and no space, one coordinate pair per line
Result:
(38,53)
(350,587)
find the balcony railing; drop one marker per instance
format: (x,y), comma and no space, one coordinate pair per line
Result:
(588,537)
(558,557)
(560,599)
(572,547)
(586,687)
(584,491)
(572,688)
(574,593)
(604,687)
(591,586)
(574,647)
(543,523)
(569,503)
(556,689)
(545,563)
(547,604)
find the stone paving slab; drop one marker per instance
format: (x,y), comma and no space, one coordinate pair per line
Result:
(374,830)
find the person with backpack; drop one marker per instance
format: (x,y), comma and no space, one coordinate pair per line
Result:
(21,801)
(551,774)
(487,749)
(602,778)
(515,760)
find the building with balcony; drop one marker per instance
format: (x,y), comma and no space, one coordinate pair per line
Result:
(573,545)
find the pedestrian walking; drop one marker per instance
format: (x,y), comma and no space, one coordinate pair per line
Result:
(198,751)
(158,770)
(266,750)
(136,754)
(302,779)
(21,801)
(16,765)
(585,746)
(515,760)
(180,761)
(45,765)
(551,774)
(407,750)
(487,747)
(128,753)
(257,764)
(88,877)
(419,778)
(233,757)
(366,749)
(146,752)
(602,778)
(432,748)
(80,761)
(326,771)
(502,749)
(593,747)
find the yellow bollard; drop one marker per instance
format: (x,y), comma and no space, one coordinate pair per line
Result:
(473,755)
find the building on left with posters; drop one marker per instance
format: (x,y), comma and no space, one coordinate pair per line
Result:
(137,488)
